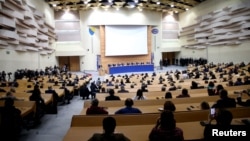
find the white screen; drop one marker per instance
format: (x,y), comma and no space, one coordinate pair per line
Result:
(126,40)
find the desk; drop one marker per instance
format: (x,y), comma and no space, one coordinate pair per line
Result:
(134,68)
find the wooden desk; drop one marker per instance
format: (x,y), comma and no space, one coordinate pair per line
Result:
(26,107)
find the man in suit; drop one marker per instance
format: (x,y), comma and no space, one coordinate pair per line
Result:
(53,108)
(112,95)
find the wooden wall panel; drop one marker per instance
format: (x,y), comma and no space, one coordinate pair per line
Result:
(74,63)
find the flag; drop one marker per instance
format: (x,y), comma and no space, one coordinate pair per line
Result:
(91,31)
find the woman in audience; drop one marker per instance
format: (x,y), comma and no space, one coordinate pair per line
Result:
(165,129)
(139,95)
(109,124)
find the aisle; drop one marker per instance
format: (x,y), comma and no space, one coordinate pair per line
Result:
(54,127)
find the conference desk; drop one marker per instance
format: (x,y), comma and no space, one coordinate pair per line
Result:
(131,68)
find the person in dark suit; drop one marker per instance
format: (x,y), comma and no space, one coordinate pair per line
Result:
(53,108)
(11,121)
(122,90)
(109,124)
(84,91)
(112,96)
(239,98)
(224,101)
(184,93)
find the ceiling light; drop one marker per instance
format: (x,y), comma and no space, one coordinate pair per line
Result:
(158,2)
(171,5)
(54,5)
(186,9)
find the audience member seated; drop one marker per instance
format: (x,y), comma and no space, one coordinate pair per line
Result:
(172,87)
(223,123)
(194,85)
(139,95)
(204,105)
(112,95)
(10,94)
(67,94)
(165,129)
(122,90)
(246,80)
(128,109)
(94,109)
(211,88)
(238,82)
(184,93)
(163,88)
(168,94)
(169,105)
(239,99)
(218,88)
(10,121)
(110,83)
(109,124)
(224,101)
(55,99)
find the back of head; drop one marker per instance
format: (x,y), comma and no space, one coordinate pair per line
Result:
(169,105)
(95,102)
(223,117)
(111,92)
(129,102)
(223,94)
(109,124)
(167,120)
(205,105)
(168,95)
(9,102)
(184,91)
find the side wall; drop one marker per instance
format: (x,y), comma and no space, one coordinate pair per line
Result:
(216,54)
(10,59)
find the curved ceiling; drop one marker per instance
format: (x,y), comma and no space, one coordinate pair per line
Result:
(177,6)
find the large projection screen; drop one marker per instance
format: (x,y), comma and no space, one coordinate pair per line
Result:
(125,40)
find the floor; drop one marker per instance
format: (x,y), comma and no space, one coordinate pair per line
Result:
(55,126)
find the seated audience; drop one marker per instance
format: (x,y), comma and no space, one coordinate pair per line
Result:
(204,105)
(183,94)
(129,109)
(10,121)
(55,99)
(223,120)
(211,88)
(144,88)
(165,129)
(112,95)
(224,101)
(94,109)
(239,99)
(122,90)
(139,95)
(109,124)
(172,87)
(169,105)
(168,95)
